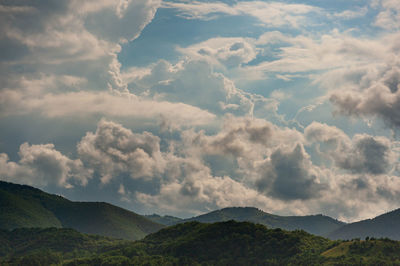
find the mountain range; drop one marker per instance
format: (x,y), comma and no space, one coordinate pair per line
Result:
(383,226)
(314,224)
(25,206)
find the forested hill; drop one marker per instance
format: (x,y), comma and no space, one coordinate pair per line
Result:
(385,225)
(25,206)
(193,243)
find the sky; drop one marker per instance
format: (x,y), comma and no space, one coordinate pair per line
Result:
(182,107)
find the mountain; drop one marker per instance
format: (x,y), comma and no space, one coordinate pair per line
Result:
(385,225)
(25,206)
(314,224)
(165,220)
(192,243)
(231,243)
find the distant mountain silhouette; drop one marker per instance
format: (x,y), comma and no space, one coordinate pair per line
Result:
(314,224)
(385,225)
(165,220)
(25,206)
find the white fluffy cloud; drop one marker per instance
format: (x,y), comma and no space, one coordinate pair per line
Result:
(113,150)
(43,165)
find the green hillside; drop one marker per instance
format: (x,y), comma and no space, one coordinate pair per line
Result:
(385,225)
(231,242)
(45,246)
(25,206)
(17,211)
(314,224)
(193,243)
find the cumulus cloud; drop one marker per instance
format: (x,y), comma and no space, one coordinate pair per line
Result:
(200,191)
(244,138)
(113,150)
(290,175)
(43,165)
(377,95)
(272,169)
(363,154)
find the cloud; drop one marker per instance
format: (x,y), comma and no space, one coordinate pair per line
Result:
(351,14)
(271,14)
(50,41)
(244,138)
(228,52)
(329,51)
(377,95)
(193,82)
(83,104)
(114,150)
(389,16)
(43,165)
(200,191)
(290,175)
(117,21)
(358,83)
(363,154)
(265,166)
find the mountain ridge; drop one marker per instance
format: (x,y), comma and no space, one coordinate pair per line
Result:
(384,225)
(315,224)
(26,206)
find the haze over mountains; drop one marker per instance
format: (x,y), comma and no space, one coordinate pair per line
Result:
(25,206)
